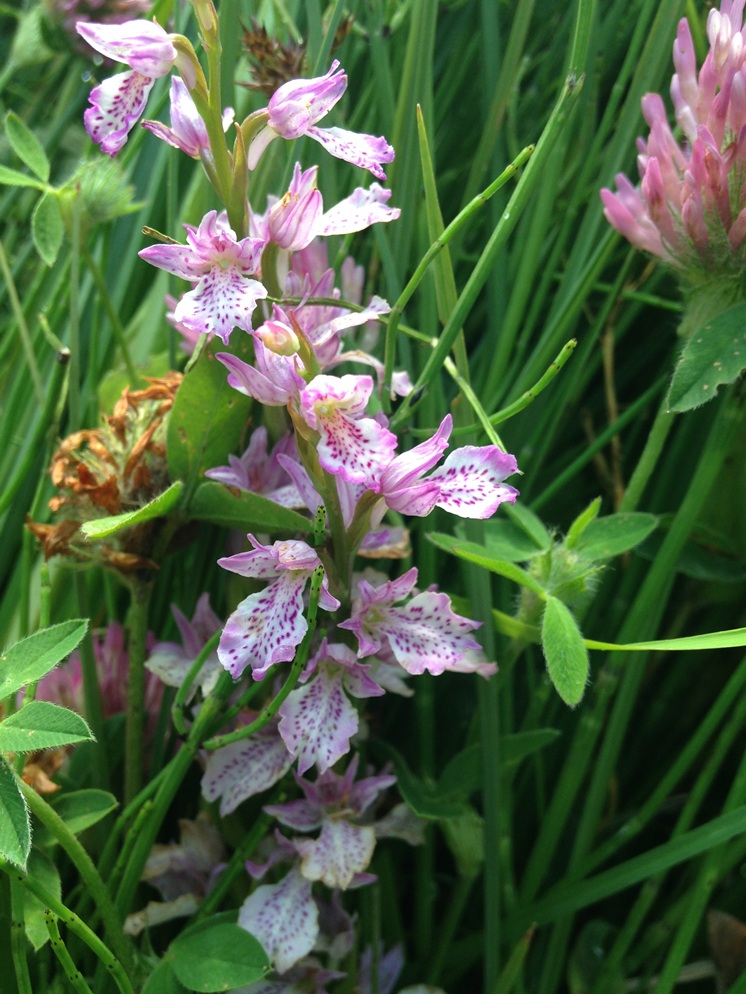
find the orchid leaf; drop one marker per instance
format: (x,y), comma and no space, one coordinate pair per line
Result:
(233,508)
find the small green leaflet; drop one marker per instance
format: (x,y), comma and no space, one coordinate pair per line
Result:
(27,146)
(15,825)
(715,355)
(30,659)
(158,508)
(565,653)
(47,228)
(41,725)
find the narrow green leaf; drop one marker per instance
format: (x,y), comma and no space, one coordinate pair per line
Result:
(565,653)
(27,146)
(474,553)
(43,870)
(238,509)
(11,177)
(582,521)
(218,958)
(607,537)
(28,660)
(208,420)
(158,508)
(569,897)
(425,798)
(15,824)
(47,228)
(714,355)
(463,774)
(41,725)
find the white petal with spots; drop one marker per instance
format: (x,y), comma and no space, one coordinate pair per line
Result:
(243,769)
(317,721)
(341,851)
(284,918)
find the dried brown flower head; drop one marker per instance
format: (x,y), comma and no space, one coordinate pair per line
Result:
(111,470)
(273,63)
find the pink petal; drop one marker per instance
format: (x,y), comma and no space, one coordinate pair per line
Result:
(142,45)
(425,634)
(341,851)
(296,105)
(365,151)
(471,481)
(358,211)
(284,918)
(221,301)
(266,628)
(317,722)
(116,104)
(243,769)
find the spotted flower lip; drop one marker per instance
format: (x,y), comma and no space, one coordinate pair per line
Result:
(220,265)
(118,102)
(267,627)
(294,109)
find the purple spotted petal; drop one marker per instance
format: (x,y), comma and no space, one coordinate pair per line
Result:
(354,449)
(425,634)
(265,628)
(471,481)
(284,918)
(341,851)
(366,151)
(243,769)
(317,721)
(116,104)
(273,390)
(142,45)
(358,211)
(222,300)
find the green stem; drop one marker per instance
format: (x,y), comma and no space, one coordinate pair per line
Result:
(648,460)
(18,938)
(84,865)
(235,867)
(116,324)
(138,637)
(59,949)
(182,694)
(78,927)
(456,907)
(437,246)
(23,329)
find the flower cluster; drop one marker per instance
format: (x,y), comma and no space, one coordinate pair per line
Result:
(690,208)
(329,452)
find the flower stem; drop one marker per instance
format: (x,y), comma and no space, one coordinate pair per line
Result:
(78,927)
(18,938)
(77,980)
(138,629)
(88,872)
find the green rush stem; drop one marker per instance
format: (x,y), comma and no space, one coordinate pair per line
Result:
(140,591)
(301,657)
(643,615)
(74,923)
(657,436)
(481,272)
(699,895)
(23,329)
(76,978)
(437,246)
(73,393)
(170,780)
(94,709)
(235,867)
(18,937)
(46,419)
(479,411)
(113,845)
(456,906)
(116,324)
(629,415)
(84,865)
(182,694)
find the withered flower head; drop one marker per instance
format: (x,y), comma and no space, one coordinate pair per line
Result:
(273,63)
(111,470)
